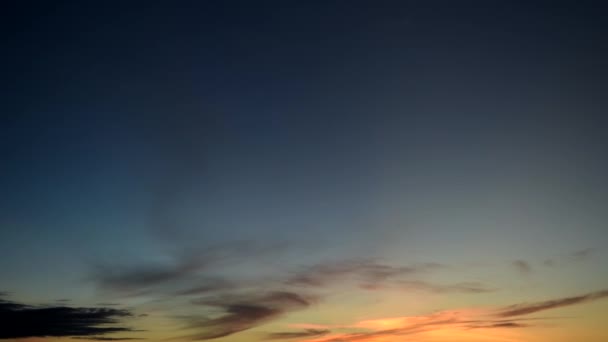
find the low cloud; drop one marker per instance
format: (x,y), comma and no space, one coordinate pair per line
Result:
(20,321)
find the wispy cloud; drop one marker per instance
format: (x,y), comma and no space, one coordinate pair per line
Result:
(365,271)
(523,267)
(185,268)
(240,312)
(286,335)
(465,287)
(529,308)
(574,257)
(19,321)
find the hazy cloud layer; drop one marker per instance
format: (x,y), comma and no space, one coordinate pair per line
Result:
(20,320)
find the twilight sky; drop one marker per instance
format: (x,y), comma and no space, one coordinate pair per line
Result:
(309,171)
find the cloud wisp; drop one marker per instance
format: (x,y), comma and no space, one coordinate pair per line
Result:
(364,271)
(523,267)
(241,312)
(20,321)
(530,308)
(287,335)
(184,268)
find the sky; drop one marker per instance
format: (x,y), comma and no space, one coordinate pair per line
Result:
(308,171)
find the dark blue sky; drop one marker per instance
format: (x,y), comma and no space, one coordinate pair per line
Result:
(411,131)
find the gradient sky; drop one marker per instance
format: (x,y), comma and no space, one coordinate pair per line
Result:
(311,171)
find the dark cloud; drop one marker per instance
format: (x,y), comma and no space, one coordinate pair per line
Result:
(20,320)
(297,334)
(522,267)
(525,309)
(366,271)
(245,312)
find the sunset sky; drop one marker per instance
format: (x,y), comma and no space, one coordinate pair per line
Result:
(304,171)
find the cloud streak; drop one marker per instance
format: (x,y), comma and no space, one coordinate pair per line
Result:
(526,309)
(240,313)
(523,267)
(297,334)
(366,271)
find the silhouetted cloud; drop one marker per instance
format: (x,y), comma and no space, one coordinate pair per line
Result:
(297,334)
(525,309)
(20,320)
(522,267)
(245,312)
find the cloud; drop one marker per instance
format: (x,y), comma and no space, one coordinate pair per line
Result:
(297,334)
(108,338)
(499,324)
(522,267)
(525,309)
(574,257)
(366,271)
(207,285)
(182,268)
(583,254)
(241,313)
(20,321)
(466,287)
